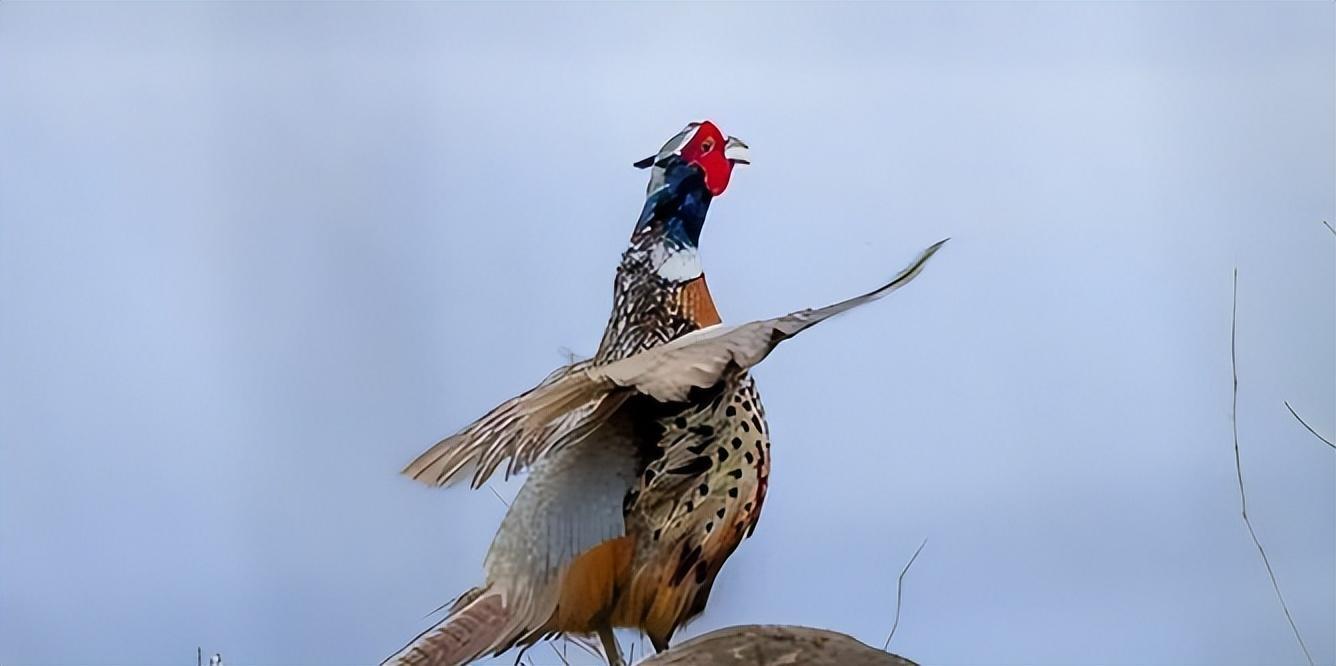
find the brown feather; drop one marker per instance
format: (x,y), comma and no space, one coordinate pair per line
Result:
(460,638)
(571,404)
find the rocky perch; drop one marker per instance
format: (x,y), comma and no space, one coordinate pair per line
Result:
(772,645)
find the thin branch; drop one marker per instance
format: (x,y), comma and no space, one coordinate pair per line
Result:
(445,605)
(1234,410)
(439,608)
(590,648)
(1238,467)
(899,590)
(1329,227)
(1310,428)
(562,657)
(499,497)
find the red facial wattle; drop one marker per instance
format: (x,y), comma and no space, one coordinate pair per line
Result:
(706,150)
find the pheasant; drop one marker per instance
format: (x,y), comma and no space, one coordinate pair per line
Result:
(648,463)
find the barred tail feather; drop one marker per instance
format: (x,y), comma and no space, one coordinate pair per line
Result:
(474,627)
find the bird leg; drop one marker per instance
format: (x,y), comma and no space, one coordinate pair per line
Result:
(610,647)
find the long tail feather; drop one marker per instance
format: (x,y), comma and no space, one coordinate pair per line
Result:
(470,631)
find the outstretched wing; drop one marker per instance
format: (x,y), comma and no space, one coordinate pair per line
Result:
(571,405)
(554,413)
(699,359)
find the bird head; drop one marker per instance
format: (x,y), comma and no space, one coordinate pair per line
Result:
(699,146)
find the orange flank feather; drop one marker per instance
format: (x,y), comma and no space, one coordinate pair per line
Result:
(590,586)
(696,303)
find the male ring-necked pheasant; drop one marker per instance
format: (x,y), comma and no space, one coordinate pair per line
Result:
(648,463)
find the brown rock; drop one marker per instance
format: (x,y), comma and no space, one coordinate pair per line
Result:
(770,645)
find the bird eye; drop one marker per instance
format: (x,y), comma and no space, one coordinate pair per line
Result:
(706,146)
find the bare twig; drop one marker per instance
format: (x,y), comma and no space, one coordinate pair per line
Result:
(1329,227)
(559,653)
(587,647)
(454,600)
(1238,467)
(437,609)
(1310,428)
(499,497)
(899,589)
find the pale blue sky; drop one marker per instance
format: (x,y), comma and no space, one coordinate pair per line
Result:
(255,257)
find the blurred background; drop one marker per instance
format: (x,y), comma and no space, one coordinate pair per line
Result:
(255,257)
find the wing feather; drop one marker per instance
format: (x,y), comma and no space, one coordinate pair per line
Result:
(698,360)
(572,403)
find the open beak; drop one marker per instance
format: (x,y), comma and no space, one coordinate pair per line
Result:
(736,151)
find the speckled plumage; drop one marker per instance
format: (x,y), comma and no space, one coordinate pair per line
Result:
(707,461)
(648,463)
(682,514)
